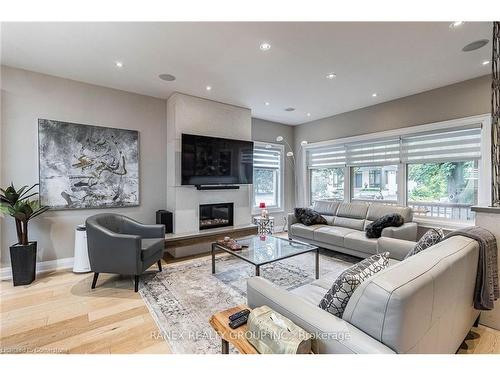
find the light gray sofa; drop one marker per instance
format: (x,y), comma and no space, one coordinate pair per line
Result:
(423,304)
(345,231)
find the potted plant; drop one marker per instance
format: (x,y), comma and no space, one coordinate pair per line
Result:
(16,203)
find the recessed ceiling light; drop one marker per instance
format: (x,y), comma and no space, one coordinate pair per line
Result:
(485,62)
(290,109)
(167,77)
(119,64)
(266,103)
(209,88)
(475,45)
(456,24)
(331,75)
(264,46)
(374,94)
(308,114)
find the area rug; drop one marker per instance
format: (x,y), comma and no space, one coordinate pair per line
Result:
(185,295)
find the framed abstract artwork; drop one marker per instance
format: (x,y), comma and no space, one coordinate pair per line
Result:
(85,166)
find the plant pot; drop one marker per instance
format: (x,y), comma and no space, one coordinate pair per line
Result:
(23,263)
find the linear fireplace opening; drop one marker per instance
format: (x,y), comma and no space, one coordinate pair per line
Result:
(216,215)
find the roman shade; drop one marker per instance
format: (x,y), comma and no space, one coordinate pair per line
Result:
(373,152)
(326,157)
(440,146)
(456,144)
(267,156)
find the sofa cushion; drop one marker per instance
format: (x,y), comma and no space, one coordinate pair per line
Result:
(150,246)
(326,207)
(358,241)
(311,293)
(332,234)
(304,231)
(308,216)
(329,219)
(347,222)
(353,210)
(337,297)
(377,210)
(430,238)
(374,230)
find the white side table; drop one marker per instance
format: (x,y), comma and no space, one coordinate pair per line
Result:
(81,260)
(265,225)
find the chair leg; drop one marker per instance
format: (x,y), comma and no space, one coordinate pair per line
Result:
(136,279)
(94,281)
(159,265)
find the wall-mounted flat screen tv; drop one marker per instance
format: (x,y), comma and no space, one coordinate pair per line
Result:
(216,161)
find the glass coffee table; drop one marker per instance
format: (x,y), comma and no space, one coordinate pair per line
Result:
(261,250)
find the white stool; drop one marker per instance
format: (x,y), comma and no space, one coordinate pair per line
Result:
(81,260)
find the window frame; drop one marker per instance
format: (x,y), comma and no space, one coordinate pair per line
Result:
(281,178)
(484,164)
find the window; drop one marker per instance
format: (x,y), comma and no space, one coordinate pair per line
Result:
(437,170)
(267,175)
(369,184)
(374,168)
(358,179)
(326,172)
(327,183)
(445,190)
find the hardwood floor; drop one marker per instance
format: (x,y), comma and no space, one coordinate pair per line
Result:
(59,313)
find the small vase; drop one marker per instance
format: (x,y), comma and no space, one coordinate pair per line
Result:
(23,263)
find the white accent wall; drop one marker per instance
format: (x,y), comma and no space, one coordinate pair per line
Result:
(192,115)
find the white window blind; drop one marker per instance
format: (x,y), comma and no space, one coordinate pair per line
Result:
(266,156)
(376,152)
(326,157)
(451,145)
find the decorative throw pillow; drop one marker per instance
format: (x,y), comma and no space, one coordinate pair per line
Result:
(430,238)
(308,216)
(374,229)
(336,299)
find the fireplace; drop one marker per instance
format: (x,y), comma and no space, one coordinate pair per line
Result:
(216,215)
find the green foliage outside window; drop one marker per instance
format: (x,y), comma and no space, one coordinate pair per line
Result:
(449,182)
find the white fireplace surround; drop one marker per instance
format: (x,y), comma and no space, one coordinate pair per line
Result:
(191,115)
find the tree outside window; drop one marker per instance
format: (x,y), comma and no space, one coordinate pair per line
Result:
(443,189)
(327,183)
(265,184)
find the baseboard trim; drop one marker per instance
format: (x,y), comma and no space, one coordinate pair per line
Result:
(41,267)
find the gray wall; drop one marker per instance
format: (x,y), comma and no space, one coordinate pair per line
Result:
(267,131)
(459,100)
(462,99)
(27,96)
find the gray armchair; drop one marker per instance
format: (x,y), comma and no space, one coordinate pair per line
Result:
(118,244)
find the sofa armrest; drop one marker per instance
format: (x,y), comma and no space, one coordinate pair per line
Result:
(396,247)
(407,231)
(332,334)
(291,220)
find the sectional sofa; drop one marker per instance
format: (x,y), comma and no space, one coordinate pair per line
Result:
(423,304)
(345,231)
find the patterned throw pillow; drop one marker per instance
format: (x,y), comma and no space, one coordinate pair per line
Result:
(430,238)
(336,299)
(308,216)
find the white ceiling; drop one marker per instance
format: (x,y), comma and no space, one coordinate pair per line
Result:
(392,59)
